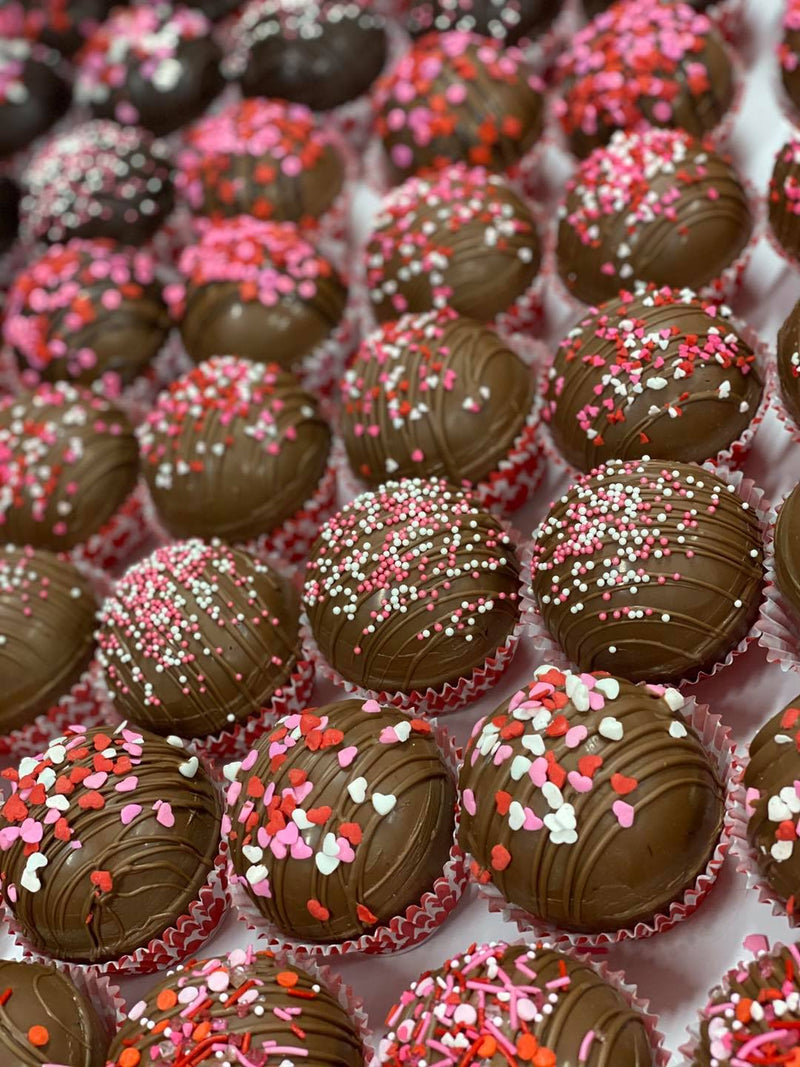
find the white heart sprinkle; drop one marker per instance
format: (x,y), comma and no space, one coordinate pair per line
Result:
(520,767)
(358,790)
(609,687)
(610,728)
(403,730)
(253,853)
(301,820)
(383,802)
(326,864)
(516,815)
(256,874)
(674,699)
(677,729)
(189,768)
(30,879)
(230,770)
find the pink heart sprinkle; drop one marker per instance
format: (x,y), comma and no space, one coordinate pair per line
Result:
(164,815)
(371,707)
(575,735)
(347,755)
(538,771)
(579,782)
(129,813)
(623,812)
(468,799)
(127,785)
(388,736)
(532,821)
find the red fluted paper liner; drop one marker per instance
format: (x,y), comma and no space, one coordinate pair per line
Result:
(616,979)
(180,941)
(406,931)
(759,945)
(781,413)
(104,996)
(126,532)
(732,457)
(82,704)
(724,288)
(778,623)
(550,651)
(716,739)
(450,696)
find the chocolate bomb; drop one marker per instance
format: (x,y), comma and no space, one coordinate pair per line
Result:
(154,841)
(34,93)
(588,802)
(789,363)
(462,238)
(277,1005)
(98,180)
(69,462)
(434,396)
(370,832)
(609,79)
(458,97)
(264,158)
(46,1019)
(304,51)
(787,549)
(515,1003)
(382,557)
(731,1024)
(152,64)
(233,449)
(594,7)
(508,21)
(661,374)
(656,207)
(773,805)
(88,311)
(47,611)
(259,290)
(197,637)
(651,571)
(783,199)
(60,24)
(789,52)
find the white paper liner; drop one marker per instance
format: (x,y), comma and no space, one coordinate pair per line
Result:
(755,943)
(716,739)
(81,705)
(550,651)
(778,623)
(178,942)
(404,932)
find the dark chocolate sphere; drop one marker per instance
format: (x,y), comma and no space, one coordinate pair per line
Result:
(69,462)
(458,97)
(251,1003)
(61,24)
(518,1004)
(9,213)
(462,238)
(215,9)
(413,585)
(259,290)
(98,180)
(434,396)
(47,611)
(787,549)
(729,1023)
(594,7)
(46,1019)
(643,63)
(624,802)
(34,93)
(649,569)
(314,52)
(264,158)
(661,374)
(783,199)
(88,311)
(233,449)
(773,805)
(371,834)
(197,637)
(655,207)
(789,363)
(145,850)
(154,65)
(508,21)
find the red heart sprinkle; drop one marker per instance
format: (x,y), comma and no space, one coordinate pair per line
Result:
(622,785)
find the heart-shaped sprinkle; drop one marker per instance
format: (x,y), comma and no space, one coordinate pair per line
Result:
(383,803)
(623,812)
(358,790)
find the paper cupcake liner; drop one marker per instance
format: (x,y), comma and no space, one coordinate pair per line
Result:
(716,739)
(758,945)
(541,640)
(178,942)
(778,623)
(781,412)
(406,931)
(123,535)
(450,696)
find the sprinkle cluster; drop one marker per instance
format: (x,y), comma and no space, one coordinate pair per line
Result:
(631,65)
(68,289)
(425,97)
(169,608)
(144,38)
(269,262)
(14,57)
(43,440)
(30,581)
(504,20)
(20,18)
(627,357)
(637,178)
(282,139)
(421,225)
(783,807)
(68,779)
(92,173)
(237,395)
